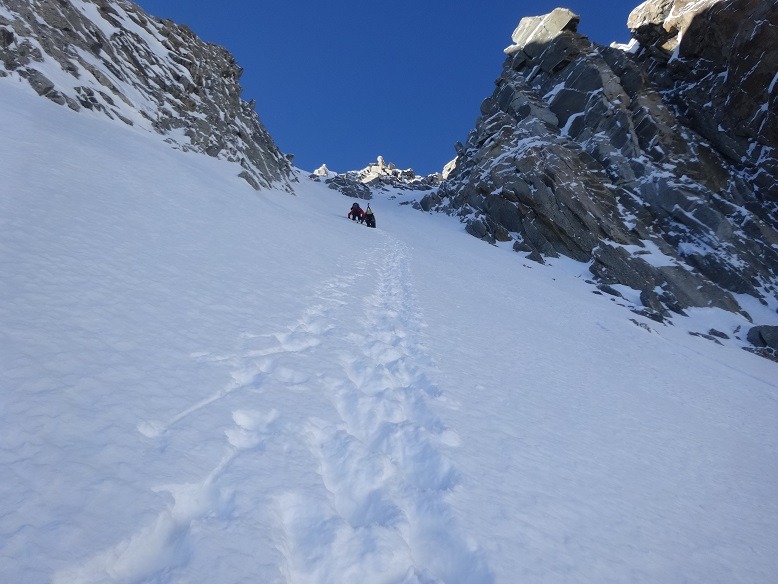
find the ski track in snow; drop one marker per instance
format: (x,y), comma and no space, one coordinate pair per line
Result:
(382,516)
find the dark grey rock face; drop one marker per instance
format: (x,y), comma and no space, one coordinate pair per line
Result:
(764,336)
(765,341)
(721,80)
(111,57)
(651,163)
(353,189)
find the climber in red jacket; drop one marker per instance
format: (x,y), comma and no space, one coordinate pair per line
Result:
(356,213)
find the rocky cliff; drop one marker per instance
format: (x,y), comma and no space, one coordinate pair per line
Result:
(110,57)
(656,162)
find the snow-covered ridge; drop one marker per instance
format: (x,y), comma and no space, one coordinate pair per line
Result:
(381,173)
(114,59)
(378,176)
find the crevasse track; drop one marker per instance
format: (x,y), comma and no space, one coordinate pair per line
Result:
(339,399)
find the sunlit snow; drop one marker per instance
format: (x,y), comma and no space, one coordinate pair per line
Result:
(204,383)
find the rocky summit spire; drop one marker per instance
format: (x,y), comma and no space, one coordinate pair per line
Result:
(111,57)
(657,165)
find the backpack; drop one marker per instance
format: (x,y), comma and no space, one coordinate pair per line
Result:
(369,217)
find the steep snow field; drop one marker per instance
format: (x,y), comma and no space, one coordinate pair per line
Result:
(201,383)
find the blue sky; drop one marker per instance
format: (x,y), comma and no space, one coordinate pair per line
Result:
(342,82)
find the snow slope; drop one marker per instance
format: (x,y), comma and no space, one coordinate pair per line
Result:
(201,383)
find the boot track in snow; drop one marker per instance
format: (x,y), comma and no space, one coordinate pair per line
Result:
(379,513)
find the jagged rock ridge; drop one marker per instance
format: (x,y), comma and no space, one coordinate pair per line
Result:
(651,164)
(111,57)
(376,176)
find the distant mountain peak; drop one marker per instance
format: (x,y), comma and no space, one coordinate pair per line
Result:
(375,177)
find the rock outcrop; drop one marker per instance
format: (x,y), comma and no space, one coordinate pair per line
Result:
(111,57)
(764,339)
(656,165)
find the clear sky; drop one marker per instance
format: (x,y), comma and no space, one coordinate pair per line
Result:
(342,82)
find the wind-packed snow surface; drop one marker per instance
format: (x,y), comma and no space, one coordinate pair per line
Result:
(205,384)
